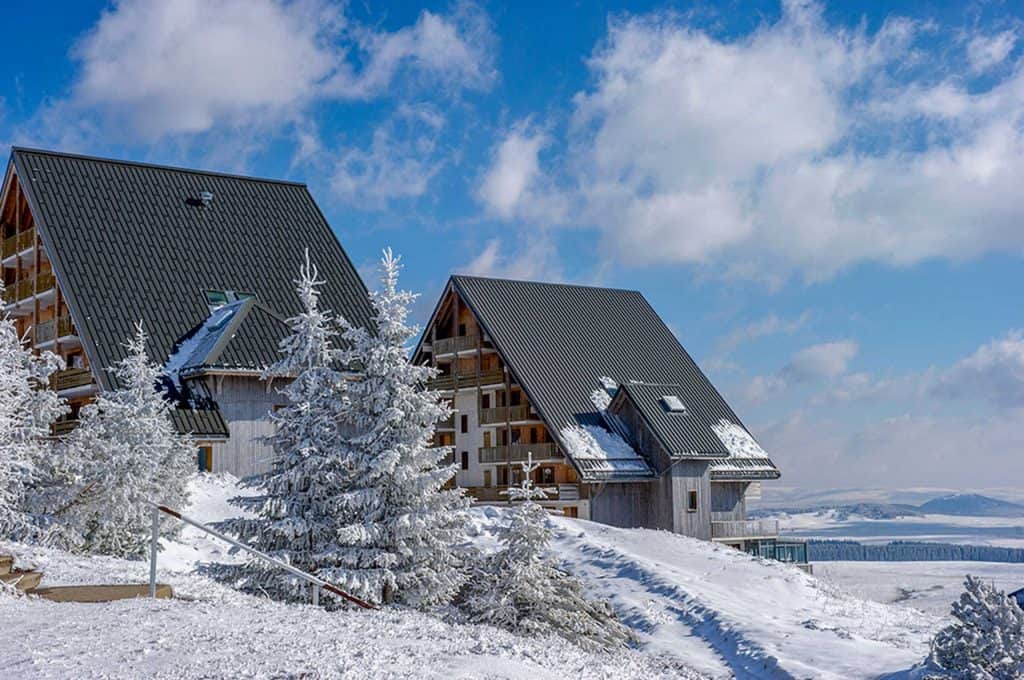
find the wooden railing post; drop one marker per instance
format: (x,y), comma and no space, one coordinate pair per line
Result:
(154,545)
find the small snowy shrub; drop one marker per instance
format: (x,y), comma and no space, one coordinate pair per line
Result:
(27,409)
(986,642)
(131,454)
(520,589)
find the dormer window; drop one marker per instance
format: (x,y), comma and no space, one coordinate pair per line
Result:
(215,299)
(673,404)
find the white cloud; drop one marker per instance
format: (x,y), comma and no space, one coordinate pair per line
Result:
(763,327)
(826,360)
(537,260)
(800,147)
(150,69)
(995,373)
(401,160)
(986,51)
(513,186)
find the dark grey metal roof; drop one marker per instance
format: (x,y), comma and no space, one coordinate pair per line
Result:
(559,340)
(200,422)
(743,469)
(130,241)
(687,434)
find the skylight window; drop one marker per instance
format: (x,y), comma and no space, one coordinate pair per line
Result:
(215,299)
(673,403)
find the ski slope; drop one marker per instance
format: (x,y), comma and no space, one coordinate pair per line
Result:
(698,609)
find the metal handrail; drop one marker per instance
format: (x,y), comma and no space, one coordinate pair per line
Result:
(317,583)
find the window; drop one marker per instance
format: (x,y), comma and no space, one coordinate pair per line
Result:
(487,479)
(533,435)
(691,502)
(515,436)
(462,329)
(215,299)
(205,458)
(673,404)
(517,398)
(465,460)
(547,475)
(464,424)
(485,401)
(487,440)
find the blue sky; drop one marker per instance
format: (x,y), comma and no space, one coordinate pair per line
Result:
(823,201)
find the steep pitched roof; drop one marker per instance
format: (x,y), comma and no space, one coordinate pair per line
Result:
(683,434)
(560,340)
(132,241)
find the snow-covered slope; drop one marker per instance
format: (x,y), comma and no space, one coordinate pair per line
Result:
(692,603)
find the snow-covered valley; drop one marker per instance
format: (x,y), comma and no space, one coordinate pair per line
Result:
(697,608)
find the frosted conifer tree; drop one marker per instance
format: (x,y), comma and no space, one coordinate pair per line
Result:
(303,504)
(986,642)
(521,589)
(405,536)
(27,409)
(133,454)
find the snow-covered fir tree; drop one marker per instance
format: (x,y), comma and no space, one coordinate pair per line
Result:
(131,454)
(406,532)
(302,506)
(27,409)
(355,492)
(986,642)
(521,589)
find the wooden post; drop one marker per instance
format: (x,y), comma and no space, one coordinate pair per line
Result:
(154,544)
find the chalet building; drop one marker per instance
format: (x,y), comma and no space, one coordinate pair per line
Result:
(627,429)
(206,261)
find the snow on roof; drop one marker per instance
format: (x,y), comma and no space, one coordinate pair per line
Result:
(603,454)
(737,440)
(194,349)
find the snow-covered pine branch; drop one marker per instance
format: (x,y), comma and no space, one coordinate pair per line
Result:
(131,454)
(521,589)
(27,409)
(986,641)
(405,531)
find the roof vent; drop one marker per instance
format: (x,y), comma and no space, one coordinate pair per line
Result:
(206,198)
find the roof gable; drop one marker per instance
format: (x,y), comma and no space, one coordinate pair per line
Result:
(131,241)
(560,340)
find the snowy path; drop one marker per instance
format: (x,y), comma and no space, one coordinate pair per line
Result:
(726,613)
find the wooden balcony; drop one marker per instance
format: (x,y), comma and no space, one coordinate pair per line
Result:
(18,243)
(741,529)
(63,427)
(518,452)
(48,331)
(460,343)
(458,381)
(28,287)
(512,414)
(70,378)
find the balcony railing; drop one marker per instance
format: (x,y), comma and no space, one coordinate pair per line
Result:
(518,452)
(750,528)
(50,330)
(462,380)
(28,287)
(566,492)
(446,424)
(783,551)
(18,243)
(70,378)
(502,414)
(460,343)
(63,427)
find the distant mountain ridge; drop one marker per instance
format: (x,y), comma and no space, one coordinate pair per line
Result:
(959,504)
(971,504)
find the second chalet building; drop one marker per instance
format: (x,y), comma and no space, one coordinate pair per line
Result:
(206,261)
(627,429)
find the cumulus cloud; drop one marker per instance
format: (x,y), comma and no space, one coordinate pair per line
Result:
(995,373)
(399,162)
(799,147)
(986,51)
(536,260)
(825,360)
(150,69)
(514,186)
